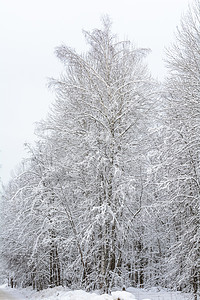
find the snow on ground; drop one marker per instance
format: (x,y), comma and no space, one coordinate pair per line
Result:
(158,294)
(14,293)
(60,293)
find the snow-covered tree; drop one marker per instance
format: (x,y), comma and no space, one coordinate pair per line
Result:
(79,206)
(31,239)
(183,154)
(101,116)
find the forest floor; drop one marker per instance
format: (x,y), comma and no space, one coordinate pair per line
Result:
(60,293)
(6,295)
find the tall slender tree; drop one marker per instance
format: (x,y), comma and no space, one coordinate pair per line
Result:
(101,116)
(183,86)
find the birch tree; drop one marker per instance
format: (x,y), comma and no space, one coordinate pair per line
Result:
(183,180)
(101,114)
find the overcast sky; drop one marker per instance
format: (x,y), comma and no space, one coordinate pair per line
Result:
(29,32)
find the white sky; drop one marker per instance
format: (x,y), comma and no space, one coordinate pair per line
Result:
(29,32)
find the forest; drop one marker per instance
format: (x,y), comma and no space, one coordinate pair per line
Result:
(110,192)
